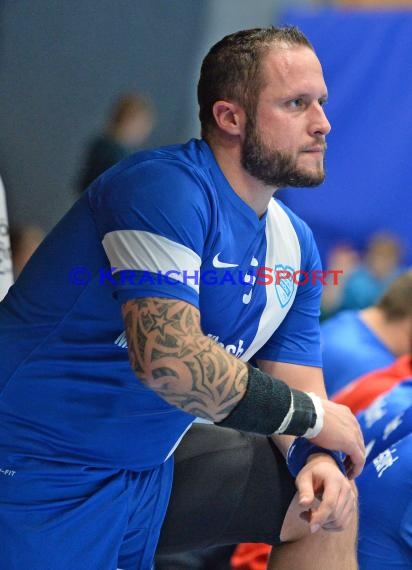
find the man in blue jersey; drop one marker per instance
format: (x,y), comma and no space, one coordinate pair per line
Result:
(385,498)
(93,403)
(387,419)
(357,342)
(385,486)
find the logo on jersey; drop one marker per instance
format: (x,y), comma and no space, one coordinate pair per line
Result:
(7,472)
(222,264)
(121,340)
(385,460)
(284,284)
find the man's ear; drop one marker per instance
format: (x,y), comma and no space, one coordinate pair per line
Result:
(229,117)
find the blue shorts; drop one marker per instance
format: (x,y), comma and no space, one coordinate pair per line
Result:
(58,516)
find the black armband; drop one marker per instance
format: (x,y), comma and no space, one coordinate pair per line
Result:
(270,406)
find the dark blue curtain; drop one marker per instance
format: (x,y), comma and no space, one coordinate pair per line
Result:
(367,62)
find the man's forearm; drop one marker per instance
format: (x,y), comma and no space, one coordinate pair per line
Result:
(171,355)
(298,376)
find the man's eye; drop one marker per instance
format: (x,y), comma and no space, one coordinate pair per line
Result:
(296,103)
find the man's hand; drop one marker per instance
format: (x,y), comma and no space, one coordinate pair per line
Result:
(326,496)
(341,432)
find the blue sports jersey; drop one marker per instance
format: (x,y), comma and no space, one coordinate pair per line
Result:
(387,419)
(385,508)
(349,350)
(161,223)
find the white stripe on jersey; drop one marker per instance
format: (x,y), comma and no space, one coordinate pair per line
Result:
(145,251)
(282,247)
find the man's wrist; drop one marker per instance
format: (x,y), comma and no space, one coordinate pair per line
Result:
(301,450)
(305,410)
(270,406)
(320,455)
(320,415)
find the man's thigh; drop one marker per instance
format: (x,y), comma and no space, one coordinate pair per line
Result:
(57,516)
(229,487)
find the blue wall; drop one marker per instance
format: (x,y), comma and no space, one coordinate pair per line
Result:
(367,62)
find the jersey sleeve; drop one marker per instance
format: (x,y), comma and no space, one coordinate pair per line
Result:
(297,339)
(153,218)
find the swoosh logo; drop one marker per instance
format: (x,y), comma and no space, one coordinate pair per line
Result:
(221,264)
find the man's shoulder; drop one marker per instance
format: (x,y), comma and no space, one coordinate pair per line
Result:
(176,168)
(190,156)
(166,175)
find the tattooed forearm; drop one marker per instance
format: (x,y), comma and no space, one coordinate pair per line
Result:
(169,352)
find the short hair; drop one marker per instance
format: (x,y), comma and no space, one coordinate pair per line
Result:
(396,302)
(232,68)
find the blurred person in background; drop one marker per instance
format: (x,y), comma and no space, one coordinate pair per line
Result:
(385,522)
(360,393)
(357,342)
(387,419)
(385,506)
(344,259)
(380,266)
(24,241)
(130,122)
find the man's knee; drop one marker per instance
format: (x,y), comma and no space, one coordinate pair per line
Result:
(322,550)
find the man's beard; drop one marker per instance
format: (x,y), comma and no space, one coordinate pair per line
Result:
(272,167)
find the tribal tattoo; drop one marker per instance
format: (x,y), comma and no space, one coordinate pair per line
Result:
(170,354)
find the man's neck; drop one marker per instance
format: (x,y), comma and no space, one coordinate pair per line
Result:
(255,193)
(393,334)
